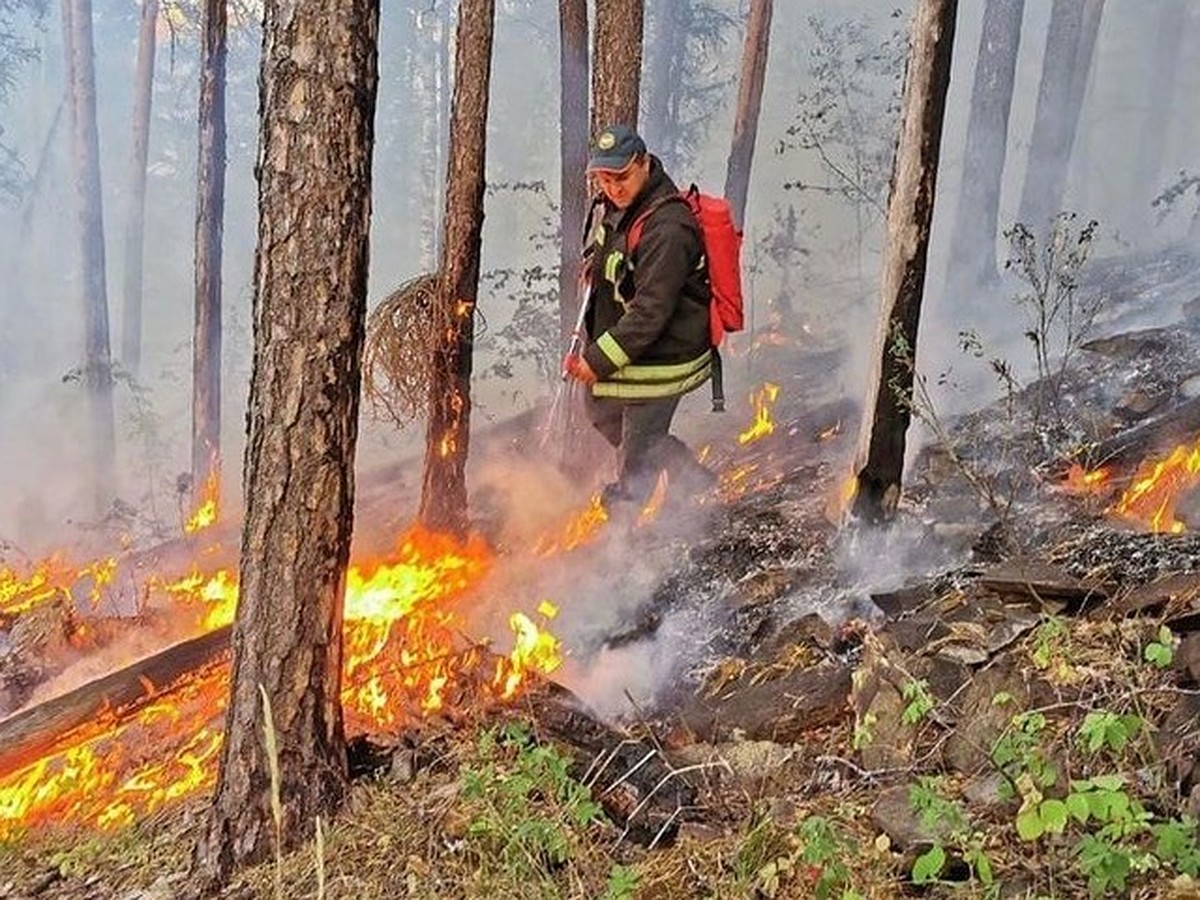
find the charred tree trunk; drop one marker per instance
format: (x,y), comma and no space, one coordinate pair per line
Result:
(745,123)
(210,215)
(573,120)
(319,78)
(1070,41)
(135,221)
(888,409)
(973,245)
(85,153)
(617,57)
(444,485)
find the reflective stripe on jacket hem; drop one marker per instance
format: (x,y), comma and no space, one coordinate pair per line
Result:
(649,382)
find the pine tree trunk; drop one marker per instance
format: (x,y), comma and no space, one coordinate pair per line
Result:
(573,128)
(318,91)
(973,244)
(135,221)
(745,122)
(210,215)
(444,486)
(1070,42)
(85,153)
(887,413)
(617,58)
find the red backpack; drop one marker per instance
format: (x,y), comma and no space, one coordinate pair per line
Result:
(722,250)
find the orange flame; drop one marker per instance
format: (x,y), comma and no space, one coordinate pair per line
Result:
(1079,480)
(581,528)
(1157,486)
(761,400)
(402,641)
(210,499)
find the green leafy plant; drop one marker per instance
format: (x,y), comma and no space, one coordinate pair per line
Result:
(918,702)
(525,809)
(1105,730)
(1018,755)
(1161,651)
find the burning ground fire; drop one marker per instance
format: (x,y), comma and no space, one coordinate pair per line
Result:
(403,650)
(1153,492)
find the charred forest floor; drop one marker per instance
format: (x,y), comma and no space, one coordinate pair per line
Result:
(998,696)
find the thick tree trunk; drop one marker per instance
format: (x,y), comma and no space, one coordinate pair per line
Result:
(444,485)
(573,123)
(319,78)
(973,244)
(617,58)
(135,213)
(749,102)
(1070,41)
(888,409)
(85,147)
(210,215)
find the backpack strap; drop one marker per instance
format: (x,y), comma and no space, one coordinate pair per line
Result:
(634,234)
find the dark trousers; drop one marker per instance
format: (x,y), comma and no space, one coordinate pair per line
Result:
(640,433)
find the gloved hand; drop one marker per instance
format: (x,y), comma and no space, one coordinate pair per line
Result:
(578,368)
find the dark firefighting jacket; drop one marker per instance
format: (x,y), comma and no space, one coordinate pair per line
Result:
(648,321)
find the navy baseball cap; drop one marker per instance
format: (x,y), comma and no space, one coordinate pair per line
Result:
(614,148)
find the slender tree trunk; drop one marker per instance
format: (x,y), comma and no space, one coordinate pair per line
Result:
(666,30)
(210,216)
(85,147)
(135,213)
(617,58)
(1161,87)
(1070,41)
(973,244)
(444,485)
(745,123)
(573,129)
(887,413)
(318,88)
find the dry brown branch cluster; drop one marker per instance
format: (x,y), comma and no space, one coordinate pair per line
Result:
(399,351)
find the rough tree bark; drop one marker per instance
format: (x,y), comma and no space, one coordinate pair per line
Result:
(1066,62)
(97,373)
(887,412)
(749,102)
(573,133)
(617,61)
(318,88)
(210,215)
(972,262)
(444,486)
(135,213)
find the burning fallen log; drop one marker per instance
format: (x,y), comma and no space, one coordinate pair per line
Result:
(36,730)
(1177,425)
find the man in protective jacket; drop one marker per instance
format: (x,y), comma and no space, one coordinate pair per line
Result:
(648,320)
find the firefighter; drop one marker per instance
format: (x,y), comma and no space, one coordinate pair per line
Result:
(648,340)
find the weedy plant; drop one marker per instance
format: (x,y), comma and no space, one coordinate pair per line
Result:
(528,816)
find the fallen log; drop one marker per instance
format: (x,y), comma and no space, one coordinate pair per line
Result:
(34,731)
(782,710)
(635,784)
(1158,434)
(1042,582)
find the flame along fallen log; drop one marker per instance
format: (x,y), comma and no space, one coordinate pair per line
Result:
(1177,425)
(633,781)
(36,730)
